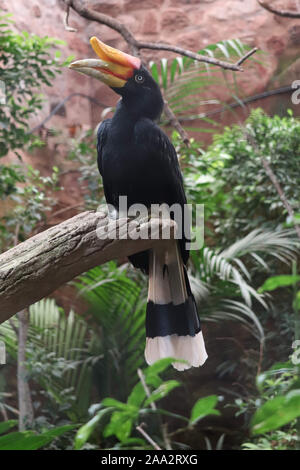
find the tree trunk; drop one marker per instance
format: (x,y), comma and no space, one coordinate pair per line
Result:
(24,396)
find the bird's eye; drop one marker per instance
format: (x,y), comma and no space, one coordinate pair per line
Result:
(139,78)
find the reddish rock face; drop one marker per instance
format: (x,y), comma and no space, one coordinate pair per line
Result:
(79,46)
(137,5)
(108,7)
(36,11)
(150,23)
(192,42)
(294,35)
(276,45)
(192,24)
(189,2)
(174,19)
(3,5)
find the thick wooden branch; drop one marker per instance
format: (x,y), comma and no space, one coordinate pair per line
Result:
(35,268)
(81,8)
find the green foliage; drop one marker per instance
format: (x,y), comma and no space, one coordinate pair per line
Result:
(60,352)
(277,440)
(225,275)
(201,186)
(203,407)
(83,151)
(31,202)
(185,81)
(166,72)
(117,306)
(29,440)
(222,280)
(139,407)
(251,200)
(6,425)
(66,354)
(279,281)
(277,412)
(85,431)
(276,407)
(9,176)
(29,62)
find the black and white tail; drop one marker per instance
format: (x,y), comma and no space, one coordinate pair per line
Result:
(172,323)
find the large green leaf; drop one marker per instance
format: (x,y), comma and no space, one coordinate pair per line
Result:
(279,281)
(204,407)
(28,440)
(115,403)
(276,412)
(137,395)
(84,433)
(159,366)
(120,424)
(6,425)
(162,391)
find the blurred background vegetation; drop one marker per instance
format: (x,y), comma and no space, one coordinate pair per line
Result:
(85,371)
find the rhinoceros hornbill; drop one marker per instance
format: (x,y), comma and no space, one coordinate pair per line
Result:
(136,159)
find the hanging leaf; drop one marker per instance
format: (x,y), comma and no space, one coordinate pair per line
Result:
(204,407)
(162,391)
(84,433)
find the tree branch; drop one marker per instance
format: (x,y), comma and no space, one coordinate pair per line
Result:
(280,192)
(160,46)
(270,173)
(61,104)
(174,122)
(285,13)
(147,437)
(35,268)
(135,47)
(66,18)
(92,15)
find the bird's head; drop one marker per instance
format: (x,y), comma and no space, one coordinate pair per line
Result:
(126,75)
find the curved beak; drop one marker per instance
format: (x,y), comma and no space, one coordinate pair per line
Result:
(113,67)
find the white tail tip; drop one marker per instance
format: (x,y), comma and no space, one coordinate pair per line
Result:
(189,348)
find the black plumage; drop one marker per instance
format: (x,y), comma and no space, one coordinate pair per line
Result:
(135,157)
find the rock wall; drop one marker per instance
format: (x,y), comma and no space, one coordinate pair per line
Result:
(192,24)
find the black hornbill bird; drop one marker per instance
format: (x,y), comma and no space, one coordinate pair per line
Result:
(136,159)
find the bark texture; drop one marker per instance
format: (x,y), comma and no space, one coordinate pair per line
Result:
(35,268)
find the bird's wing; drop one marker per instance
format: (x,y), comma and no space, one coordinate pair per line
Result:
(101,139)
(164,156)
(165,162)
